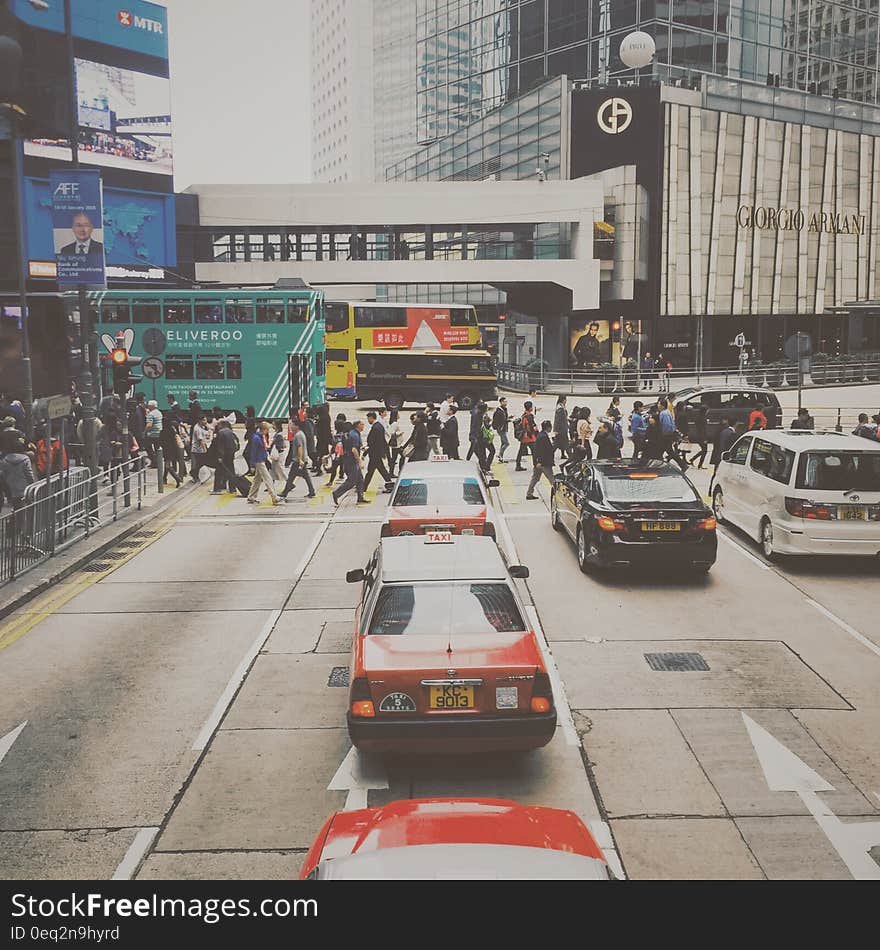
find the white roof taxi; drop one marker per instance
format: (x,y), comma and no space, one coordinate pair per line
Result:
(802,492)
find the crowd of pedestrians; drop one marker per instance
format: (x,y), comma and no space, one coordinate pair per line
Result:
(275,454)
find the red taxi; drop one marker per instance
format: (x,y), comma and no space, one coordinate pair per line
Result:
(444,658)
(448,839)
(441,494)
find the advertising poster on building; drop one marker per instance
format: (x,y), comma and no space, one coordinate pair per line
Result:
(593,343)
(77,227)
(590,343)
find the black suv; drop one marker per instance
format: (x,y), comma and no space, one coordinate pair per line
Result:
(736,403)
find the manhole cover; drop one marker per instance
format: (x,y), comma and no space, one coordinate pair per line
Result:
(677,662)
(338,676)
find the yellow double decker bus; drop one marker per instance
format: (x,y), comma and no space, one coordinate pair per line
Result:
(353,326)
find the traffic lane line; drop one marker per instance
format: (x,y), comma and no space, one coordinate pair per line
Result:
(25,621)
(563,708)
(746,554)
(843,625)
(235,681)
(135,855)
(828,614)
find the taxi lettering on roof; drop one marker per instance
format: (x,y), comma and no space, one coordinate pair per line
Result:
(439,458)
(438,537)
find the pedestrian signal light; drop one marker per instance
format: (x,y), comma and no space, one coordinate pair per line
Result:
(119,355)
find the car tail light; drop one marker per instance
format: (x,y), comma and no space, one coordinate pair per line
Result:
(808,509)
(707,524)
(385,531)
(610,524)
(542,693)
(489,530)
(361,700)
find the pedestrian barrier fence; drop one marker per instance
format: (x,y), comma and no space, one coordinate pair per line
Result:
(57,512)
(632,380)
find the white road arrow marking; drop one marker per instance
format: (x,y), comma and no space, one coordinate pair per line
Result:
(357,774)
(785,772)
(10,737)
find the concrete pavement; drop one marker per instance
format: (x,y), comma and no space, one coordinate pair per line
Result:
(191,693)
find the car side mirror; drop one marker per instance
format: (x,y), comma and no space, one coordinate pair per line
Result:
(493,483)
(725,456)
(520,571)
(355,577)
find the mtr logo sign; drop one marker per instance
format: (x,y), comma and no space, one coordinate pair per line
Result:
(126,18)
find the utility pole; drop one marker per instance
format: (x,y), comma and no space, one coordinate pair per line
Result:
(10,77)
(86,381)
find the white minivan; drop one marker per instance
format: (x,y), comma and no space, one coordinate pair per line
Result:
(802,492)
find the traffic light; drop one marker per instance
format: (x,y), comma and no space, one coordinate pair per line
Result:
(122,367)
(615,331)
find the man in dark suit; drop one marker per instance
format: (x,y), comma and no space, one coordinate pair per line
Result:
(449,439)
(543,455)
(84,246)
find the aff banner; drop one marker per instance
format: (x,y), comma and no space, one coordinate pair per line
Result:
(78,227)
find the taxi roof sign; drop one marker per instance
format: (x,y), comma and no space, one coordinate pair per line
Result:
(439,458)
(439,537)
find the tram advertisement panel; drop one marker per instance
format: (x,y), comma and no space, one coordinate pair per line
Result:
(420,328)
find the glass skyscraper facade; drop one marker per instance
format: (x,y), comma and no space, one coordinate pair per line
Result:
(473,55)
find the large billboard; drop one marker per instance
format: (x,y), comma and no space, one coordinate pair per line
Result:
(124,120)
(126,24)
(78,227)
(139,227)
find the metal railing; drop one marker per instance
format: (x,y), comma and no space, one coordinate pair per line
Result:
(57,512)
(623,380)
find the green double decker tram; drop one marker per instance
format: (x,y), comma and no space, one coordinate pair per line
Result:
(235,348)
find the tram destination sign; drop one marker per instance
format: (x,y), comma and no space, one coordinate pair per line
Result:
(799,219)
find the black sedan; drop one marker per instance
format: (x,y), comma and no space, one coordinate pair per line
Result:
(620,512)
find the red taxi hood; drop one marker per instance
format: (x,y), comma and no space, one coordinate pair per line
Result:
(400,652)
(438,514)
(451,821)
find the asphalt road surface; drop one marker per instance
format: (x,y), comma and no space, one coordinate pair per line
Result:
(181,718)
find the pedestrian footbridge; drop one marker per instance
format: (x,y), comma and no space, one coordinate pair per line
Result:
(537,236)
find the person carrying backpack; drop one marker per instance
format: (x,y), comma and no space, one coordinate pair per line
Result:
(525,431)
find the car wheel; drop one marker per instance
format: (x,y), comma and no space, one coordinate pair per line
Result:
(767,543)
(394,400)
(583,564)
(718,505)
(554,513)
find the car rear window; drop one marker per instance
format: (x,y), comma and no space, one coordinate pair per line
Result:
(438,491)
(839,471)
(645,486)
(444,609)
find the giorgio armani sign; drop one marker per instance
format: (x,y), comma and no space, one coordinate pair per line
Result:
(799,219)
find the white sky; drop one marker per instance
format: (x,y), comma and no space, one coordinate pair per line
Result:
(240,91)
